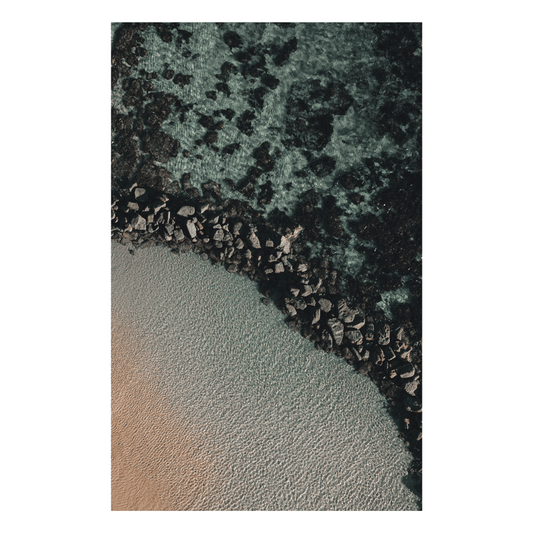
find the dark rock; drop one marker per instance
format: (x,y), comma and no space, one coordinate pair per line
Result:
(323,167)
(406,371)
(413,405)
(244,122)
(223,88)
(337,330)
(354,335)
(327,340)
(232,39)
(160,146)
(182,79)
(186,181)
(356,198)
(369,332)
(265,301)
(346,314)
(168,75)
(377,356)
(270,81)
(228,113)
(285,52)
(384,335)
(230,148)
(211,94)
(141,194)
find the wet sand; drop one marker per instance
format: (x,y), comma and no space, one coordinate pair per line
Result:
(158,462)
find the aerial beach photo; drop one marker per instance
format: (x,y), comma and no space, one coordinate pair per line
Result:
(266,227)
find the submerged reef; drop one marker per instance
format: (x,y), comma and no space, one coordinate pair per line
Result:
(289,153)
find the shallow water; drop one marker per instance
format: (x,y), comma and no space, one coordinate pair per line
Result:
(276,424)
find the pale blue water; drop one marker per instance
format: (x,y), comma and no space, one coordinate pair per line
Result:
(290,427)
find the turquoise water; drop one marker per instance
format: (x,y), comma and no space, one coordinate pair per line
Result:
(290,427)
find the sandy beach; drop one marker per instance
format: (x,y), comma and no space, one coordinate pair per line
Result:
(158,464)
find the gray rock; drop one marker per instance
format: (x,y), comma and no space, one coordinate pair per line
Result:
(233,268)
(325,305)
(354,335)
(141,194)
(412,386)
(204,208)
(139,223)
(191,228)
(344,312)
(310,301)
(272,258)
(294,291)
(316,316)
(186,211)
(254,240)
(269,243)
(237,228)
(169,228)
(406,371)
(384,335)
(291,310)
(278,268)
(133,206)
(302,268)
(219,235)
(307,291)
(179,235)
(300,304)
(239,244)
(269,271)
(247,254)
(227,237)
(337,330)
(204,256)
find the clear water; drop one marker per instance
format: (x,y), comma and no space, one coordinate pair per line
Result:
(287,427)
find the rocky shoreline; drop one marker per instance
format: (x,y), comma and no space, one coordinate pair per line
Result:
(372,206)
(227,233)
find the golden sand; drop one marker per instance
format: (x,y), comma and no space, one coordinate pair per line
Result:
(158,462)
